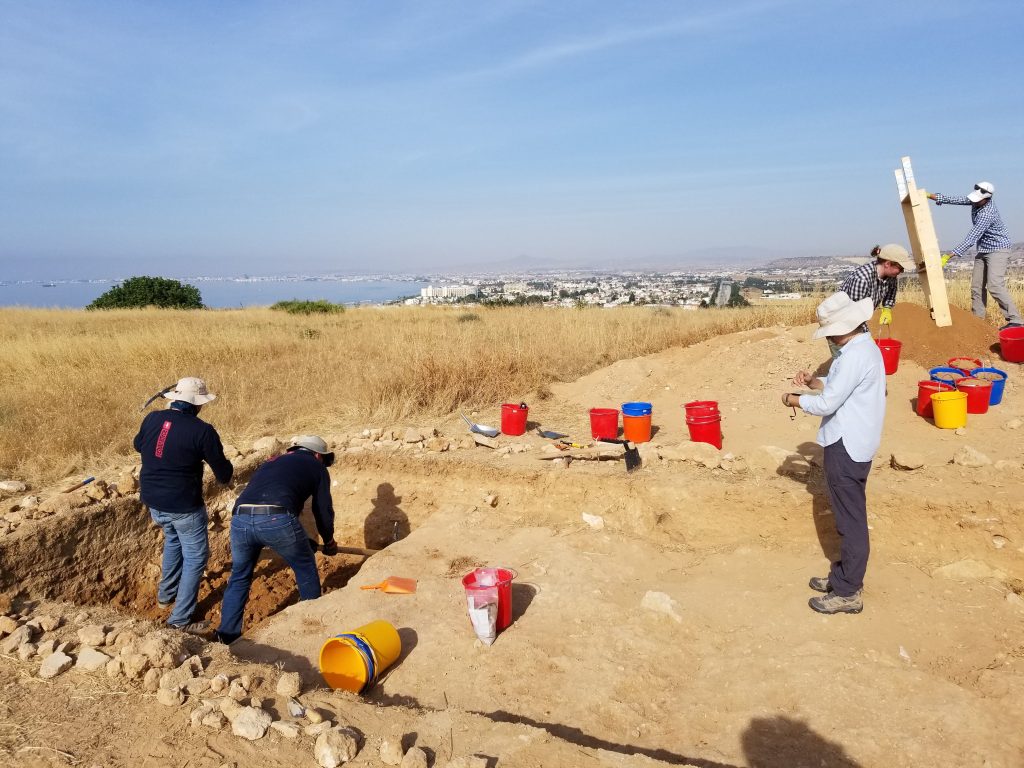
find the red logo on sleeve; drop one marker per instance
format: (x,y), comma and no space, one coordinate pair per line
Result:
(159,452)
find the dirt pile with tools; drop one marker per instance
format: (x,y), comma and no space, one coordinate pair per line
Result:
(930,346)
(668,626)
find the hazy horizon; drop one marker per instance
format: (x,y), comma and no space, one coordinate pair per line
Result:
(188,139)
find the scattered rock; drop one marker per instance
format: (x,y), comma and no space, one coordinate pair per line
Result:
(315,729)
(412,435)
(594,521)
(337,746)
(26,651)
(251,723)
(237,691)
(659,602)
(313,716)
(731,463)
(1015,600)
(192,667)
(199,713)
(55,664)
(904,656)
(999,541)
(256,702)
(970,457)
(19,635)
(1007,466)
(775,460)
(1013,424)
(219,683)
(127,483)
(90,660)
(491,500)
(151,681)
(289,684)
(114,668)
(163,648)
(12,487)
(486,442)
(906,462)
(96,491)
(703,454)
(960,431)
(93,634)
(134,665)
(7,625)
(215,720)
(415,758)
(45,647)
(230,707)
(391,752)
(268,445)
(437,445)
(170,697)
(288,730)
(197,686)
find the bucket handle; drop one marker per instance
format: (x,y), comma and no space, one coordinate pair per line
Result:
(888,330)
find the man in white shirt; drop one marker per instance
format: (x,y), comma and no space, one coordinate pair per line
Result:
(851,402)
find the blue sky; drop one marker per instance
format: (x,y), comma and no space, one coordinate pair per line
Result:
(184,138)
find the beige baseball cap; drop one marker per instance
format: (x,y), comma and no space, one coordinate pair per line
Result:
(896,254)
(191,390)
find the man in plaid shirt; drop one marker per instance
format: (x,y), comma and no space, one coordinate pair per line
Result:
(877,280)
(988,235)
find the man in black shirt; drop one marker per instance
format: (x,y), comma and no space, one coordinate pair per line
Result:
(267,515)
(174,444)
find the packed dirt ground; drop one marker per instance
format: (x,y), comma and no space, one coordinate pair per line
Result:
(670,627)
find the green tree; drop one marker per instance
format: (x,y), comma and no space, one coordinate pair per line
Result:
(150,292)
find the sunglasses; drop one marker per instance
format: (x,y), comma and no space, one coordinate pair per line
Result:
(981,189)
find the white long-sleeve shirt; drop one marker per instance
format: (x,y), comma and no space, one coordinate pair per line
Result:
(852,404)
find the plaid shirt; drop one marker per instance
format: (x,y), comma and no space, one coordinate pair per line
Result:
(864,283)
(988,233)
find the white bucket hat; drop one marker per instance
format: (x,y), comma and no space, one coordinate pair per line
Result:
(983,190)
(896,254)
(839,314)
(191,390)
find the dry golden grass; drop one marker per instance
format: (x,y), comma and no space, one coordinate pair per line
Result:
(73,381)
(958,289)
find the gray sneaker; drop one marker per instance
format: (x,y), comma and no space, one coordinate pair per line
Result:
(833,603)
(164,606)
(200,628)
(820,584)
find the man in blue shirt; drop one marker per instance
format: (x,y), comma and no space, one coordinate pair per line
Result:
(851,402)
(989,236)
(173,445)
(267,515)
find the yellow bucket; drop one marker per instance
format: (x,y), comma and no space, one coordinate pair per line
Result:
(354,661)
(949,409)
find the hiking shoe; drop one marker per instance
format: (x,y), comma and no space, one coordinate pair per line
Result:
(833,603)
(820,584)
(200,628)
(1010,325)
(164,606)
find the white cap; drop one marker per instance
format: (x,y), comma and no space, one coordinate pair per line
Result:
(983,190)
(191,390)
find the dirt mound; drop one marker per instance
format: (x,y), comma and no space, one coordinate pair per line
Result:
(928,345)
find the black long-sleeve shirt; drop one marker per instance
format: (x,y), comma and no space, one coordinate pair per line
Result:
(174,444)
(287,481)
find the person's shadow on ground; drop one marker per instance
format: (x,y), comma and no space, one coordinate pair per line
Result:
(386,523)
(782,742)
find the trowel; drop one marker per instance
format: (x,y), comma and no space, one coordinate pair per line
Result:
(395,585)
(633,461)
(549,435)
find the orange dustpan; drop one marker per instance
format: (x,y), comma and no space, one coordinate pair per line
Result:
(395,585)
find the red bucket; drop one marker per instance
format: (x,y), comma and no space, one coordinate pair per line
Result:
(925,390)
(978,392)
(1011,345)
(500,579)
(701,408)
(890,349)
(964,364)
(513,418)
(604,423)
(705,428)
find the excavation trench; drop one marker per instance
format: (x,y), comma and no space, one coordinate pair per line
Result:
(110,555)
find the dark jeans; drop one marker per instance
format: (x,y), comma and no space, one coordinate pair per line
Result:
(249,534)
(186,551)
(847,491)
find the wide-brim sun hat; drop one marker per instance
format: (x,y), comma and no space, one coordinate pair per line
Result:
(313,443)
(983,190)
(898,255)
(839,314)
(191,390)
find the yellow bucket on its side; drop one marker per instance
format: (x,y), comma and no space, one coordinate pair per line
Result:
(354,661)
(949,409)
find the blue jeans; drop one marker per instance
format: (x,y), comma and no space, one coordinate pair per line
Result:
(249,534)
(186,552)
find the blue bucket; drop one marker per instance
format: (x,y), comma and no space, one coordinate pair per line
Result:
(636,409)
(996,395)
(932,374)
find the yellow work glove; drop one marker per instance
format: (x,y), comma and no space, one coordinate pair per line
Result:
(885,317)
(945,258)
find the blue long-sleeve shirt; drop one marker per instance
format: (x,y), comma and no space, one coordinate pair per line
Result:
(988,232)
(287,481)
(852,404)
(173,444)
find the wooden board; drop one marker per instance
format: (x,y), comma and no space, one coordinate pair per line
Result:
(923,243)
